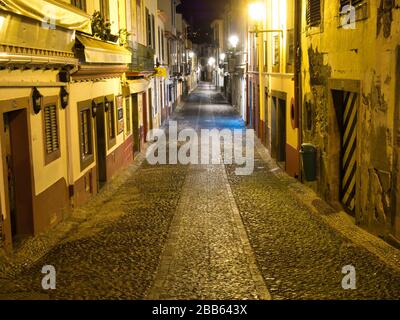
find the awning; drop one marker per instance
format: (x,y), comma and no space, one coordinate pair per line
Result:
(50,11)
(97,51)
(139,85)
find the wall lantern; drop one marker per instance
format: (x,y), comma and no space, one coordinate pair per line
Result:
(36,100)
(233,41)
(94,108)
(64,97)
(106,105)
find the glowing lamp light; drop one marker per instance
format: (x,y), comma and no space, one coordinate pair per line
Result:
(234,40)
(211,61)
(191,54)
(222,56)
(257,11)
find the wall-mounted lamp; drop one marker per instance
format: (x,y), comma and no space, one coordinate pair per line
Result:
(106,105)
(64,97)
(234,40)
(37,99)
(94,108)
(257,12)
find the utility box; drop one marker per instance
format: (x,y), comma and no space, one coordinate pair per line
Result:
(308,154)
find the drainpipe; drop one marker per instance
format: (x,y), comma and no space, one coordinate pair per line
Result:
(298,94)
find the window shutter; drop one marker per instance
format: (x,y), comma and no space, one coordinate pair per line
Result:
(51,130)
(313,12)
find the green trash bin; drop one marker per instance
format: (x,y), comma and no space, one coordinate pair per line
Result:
(308,154)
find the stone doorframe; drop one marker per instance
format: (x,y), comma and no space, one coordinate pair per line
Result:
(334,143)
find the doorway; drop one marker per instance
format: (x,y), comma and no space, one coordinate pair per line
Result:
(151,111)
(250,119)
(19,175)
(278,130)
(101,146)
(135,123)
(265,138)
(145,118)
(346,112)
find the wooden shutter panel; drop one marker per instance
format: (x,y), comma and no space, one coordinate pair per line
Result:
(313,12)
(51,129)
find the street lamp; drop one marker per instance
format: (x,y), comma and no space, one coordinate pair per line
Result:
(211,61)
(257,11)
(234,40)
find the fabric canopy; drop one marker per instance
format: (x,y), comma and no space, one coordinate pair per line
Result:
(97,51)
(51,12)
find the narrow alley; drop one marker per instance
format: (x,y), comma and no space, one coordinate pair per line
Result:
(202,232)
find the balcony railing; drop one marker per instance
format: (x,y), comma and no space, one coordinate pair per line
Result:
(142,58)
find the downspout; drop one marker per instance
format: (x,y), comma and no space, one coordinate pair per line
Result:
(298,94)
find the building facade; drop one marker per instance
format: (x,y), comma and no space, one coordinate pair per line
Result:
(82,84)
(314,75)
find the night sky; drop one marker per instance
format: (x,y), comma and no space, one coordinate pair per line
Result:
(200,14)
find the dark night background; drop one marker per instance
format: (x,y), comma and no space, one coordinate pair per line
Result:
(199,14)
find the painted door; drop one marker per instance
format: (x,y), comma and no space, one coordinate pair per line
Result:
(19,176)
(151,111)
(278,129)
(281,155)
(145,118)
(135,123)
(266,118)
(346,111)
(250,120)
(101,150)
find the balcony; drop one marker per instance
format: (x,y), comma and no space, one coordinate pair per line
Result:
(142,58)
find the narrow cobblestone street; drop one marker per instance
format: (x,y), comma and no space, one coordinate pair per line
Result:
(202,232)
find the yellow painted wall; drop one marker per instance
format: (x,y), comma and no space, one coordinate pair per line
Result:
(44,175)
(82,91)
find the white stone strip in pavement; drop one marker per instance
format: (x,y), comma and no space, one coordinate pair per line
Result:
(207,254)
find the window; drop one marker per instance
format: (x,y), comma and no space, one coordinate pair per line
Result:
(80,4)
(313,12)
(128,114)
(353,3)
(148,29)
(110,108)
(162,46)
(352,9)
(153,32)
(85,133)
(265,56)
(105,9)
(111,119)
(51,136)
(290,51)
(277,54)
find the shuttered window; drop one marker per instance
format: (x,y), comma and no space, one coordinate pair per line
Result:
(51,129)
(313,12)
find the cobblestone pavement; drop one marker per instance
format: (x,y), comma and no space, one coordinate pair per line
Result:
(202,232)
